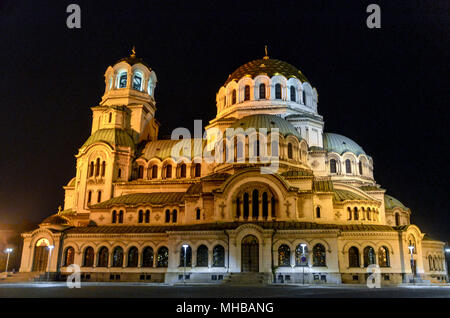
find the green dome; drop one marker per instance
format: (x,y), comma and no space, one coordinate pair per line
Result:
(269,67)
(391,203)
(112,136)
(267,121)
(340,144)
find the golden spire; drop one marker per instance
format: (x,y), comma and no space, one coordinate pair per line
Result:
(266,57)
(133,52)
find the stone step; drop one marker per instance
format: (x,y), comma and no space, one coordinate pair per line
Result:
(20,277)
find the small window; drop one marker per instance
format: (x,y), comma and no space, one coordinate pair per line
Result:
(168,171)
(141,216)
(110,117)
(167,216)
(114,217)
(123,80)
(121,216)
(197,214)
(140,172)
(174,216)
(197,170)
(360,168)
(183,171)
(89,197)
(277,91)
(154,172)
(293,94)
(119,173)
(304,97)
(332,166)
(233,97)
(147,216)
(290,151)
(247,92)
(137,81)
(318,212)
(348,166)
(262,91)
(99,198)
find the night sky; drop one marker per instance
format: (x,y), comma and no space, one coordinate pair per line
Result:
(386,88)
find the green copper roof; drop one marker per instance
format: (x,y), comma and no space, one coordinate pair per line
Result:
(136,199)
(277,225)
(344,195)
(391,203)
(112,136)
(162,149)
(267,121)
(340,144)
(323,186)
(269,67)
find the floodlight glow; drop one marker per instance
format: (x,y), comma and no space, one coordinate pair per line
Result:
(50,247)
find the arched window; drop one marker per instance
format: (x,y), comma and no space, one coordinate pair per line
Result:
(140,172)
(247,92)
(119,173)
(300,255)
(97,167)
(218,256)
(246,205)
(103,168)
(114,217)
(188,261)
(69,256)
(293,94)
(239,150)
(89,197)
(274,148)
(133,256)
(169,171)
(265,205)
(348,166)
(137,81)
(162,257)
(255,203)
(430,263)
(333,166)
(99,196)
(103,256)
(349,211)
(167,220)
(183,171)
(88,257)
(383,257)
(154,172)
(284,256)
(360,168)
(368,214)
(147,216)
(117,260)
(318,212)
(197,170)
(262,91)
(289,150)
(369,256)
(91,169)
(356,214)
(197,214)
(397,219)
(141,216)
(319,255)
(122,80)
(147,257)
(202,256)
(233,97)
(304,97)
(110,117)
(238,208)
(277,91)
(353,257)
(272,206)
(120,216)
(174,216)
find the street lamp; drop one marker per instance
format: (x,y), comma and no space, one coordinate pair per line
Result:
(185,246)
(411,249)
(8,251)
(50,247)
(303,245)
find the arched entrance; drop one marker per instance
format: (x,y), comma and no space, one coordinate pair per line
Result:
(40,258)
(250,254)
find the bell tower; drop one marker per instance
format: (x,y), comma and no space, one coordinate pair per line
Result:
(128,102)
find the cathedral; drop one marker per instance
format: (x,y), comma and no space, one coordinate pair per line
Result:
(262,195)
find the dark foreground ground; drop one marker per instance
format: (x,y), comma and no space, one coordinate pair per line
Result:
(140,290)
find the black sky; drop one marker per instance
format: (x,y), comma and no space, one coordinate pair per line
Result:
(386,88)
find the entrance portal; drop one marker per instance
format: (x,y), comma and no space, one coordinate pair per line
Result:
(40,256)
(250,254)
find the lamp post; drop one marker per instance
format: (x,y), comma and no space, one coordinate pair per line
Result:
(185,246)
(411,249)
(303,245)
(50,247)
(8,251)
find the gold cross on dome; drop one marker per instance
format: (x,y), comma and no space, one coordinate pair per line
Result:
(266,57)
(133,51)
